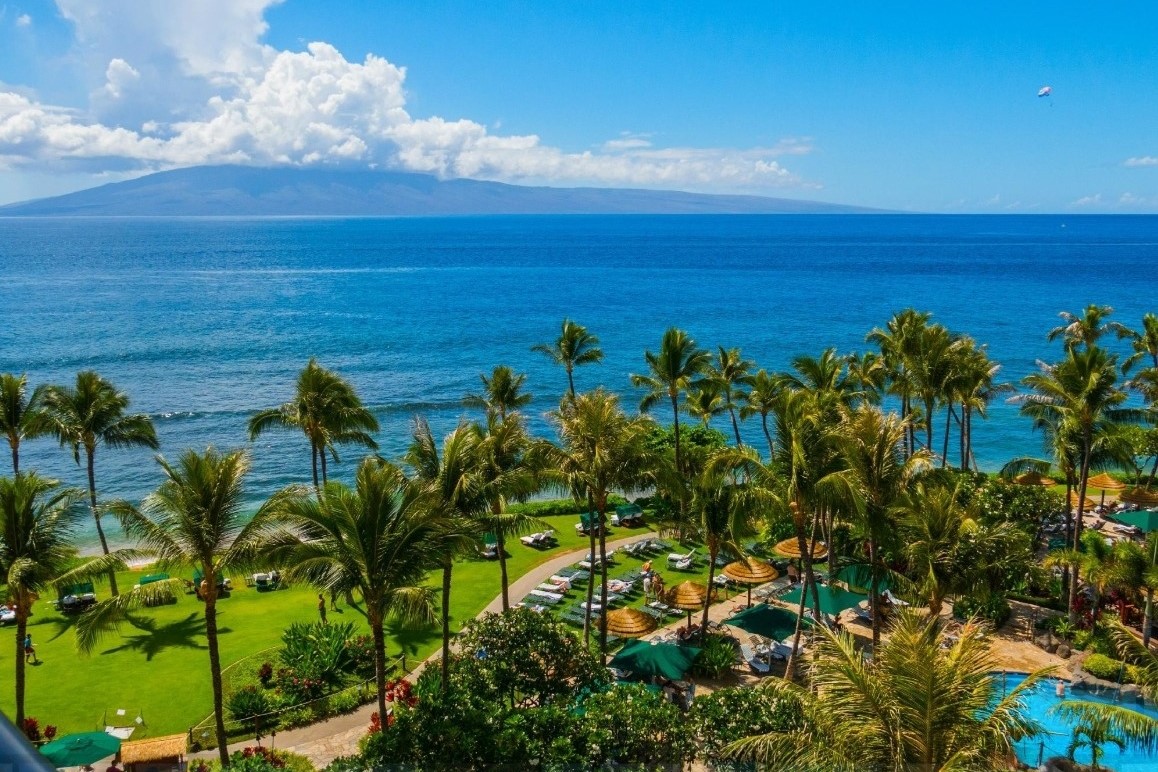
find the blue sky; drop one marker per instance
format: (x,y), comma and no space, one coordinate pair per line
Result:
(891,105)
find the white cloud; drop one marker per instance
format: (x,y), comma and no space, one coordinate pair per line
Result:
(23,20)
(1145,160)
(1087,201)
(205,89)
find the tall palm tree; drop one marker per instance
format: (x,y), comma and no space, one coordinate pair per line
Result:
(677,368)
(1139,573)
(914,705)
(196,517)
(327,410)
(1087,327)
(933,524)
(868,372)
(502,393)
(760,399)
(899,344)
(1095,561)
(875,476)
(602,451)
(379,537)
(932,371)
(574,347)
(22,415)
(973,385)
(450,476)
(90,414)
(1144,342)
(507,472)
(38,520)
(706,402)
(730,373)
(1080,397)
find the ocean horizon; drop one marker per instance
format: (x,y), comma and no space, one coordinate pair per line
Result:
(204,321)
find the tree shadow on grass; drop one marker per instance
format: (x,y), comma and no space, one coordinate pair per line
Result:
(62,624)
(409,639)
(187,633)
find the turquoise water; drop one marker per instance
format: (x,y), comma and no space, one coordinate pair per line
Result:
(1038,703)
(204,321)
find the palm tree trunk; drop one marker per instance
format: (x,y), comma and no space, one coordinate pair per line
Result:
(322,455)
(1069,534)
(90,453)
(809,574)
(590,582)
(790,666)
(1148,618)
(1082,480)
(949,415)
(929,424)
(21,631)
(571,382)
(961,433)
(767,435)
(502,545)
(447,567)
(874,585)
(215,665)
(15,457)
(603,582)
(713,551)
(735,425)
(379,657)
(675,412)
(314,465)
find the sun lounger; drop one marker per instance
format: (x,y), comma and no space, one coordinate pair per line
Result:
(552,587)
(619,586)
(562,581)
(758,665)
(681,565)
(546,596)
(676,557)
(893,599)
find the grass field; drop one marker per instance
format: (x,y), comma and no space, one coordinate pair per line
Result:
(158,664)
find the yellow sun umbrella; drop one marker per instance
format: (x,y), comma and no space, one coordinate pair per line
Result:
(1105,482)
(1141,496)
(1033,478)
(750,571)
(1087,502)
(629,623)
(689,596)
(790,548)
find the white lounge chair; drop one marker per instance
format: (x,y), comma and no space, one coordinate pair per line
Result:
(546,596)
(675,557)
(754,662)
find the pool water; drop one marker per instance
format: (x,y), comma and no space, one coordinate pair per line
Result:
(1038,702)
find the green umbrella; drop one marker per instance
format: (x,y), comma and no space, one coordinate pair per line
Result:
(1146,519)
(767,621)
(645,659)
(75,750)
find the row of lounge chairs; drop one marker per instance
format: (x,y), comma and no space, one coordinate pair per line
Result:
(542,540)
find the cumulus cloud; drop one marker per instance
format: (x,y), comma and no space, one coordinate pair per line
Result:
(1145,160)
(23,20)
(1087,201)
(184,86)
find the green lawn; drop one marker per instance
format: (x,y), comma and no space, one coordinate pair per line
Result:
(158,663)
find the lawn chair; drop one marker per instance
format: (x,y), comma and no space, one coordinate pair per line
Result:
(759,666)
(545,596)
(676,557)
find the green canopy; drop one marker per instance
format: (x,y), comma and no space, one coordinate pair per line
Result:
(768,621)
(833,600)
(629,510)
(153,578)
(858,577)
(83,588)
(589,519)
(76,750)
(1146,519)
(645,659)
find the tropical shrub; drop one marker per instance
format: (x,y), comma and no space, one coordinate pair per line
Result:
(258,759)
(629,725)
(296,689)
(993,609)
(295,717)
(727,715)
(360,650)
(552,507)
(265,674)
(317,651)
(247,702)
(1101,666)
(31,729)
(345,702)
(716,657)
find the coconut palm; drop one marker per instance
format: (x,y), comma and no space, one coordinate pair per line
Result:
(760,399)
(1093,732)
(972,384)
(1144,342)
(574,347)
(602,451)
(824,375)
(502,393)
(868,372)
(450,475)
(676,369)
(1139,565)
(89,415)
(914,705)
(730,373)
(198,517)
(899,344)
(38,520)
(379,538)
(21,414)
(932,371)
(933,524)
(1087,327)
(327,410)
(1096,562)
(706,402)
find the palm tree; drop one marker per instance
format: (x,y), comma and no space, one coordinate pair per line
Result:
(197,517)
(1144,343)
(1093,732)
(1080,399)
(92,414)
(677,368)
(38,520)
(706,402)
(875,476)
(899,344)
(1094,561)
(914,705)
(506,472)
(933,524)
(730,372)
(451,480)
(502,393)
(973,385)
(760,399)
(379,537)
(932,372)
(1087,327)
(327,410)
(603,450)
(21,414)
(574,347)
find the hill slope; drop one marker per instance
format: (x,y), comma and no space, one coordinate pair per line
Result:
(250,191)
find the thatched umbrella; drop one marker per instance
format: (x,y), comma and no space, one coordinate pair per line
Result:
(1105,483)
(790,548)
(629,623)
(689,596)
(1033,478)
(1087,502)
(750,571)
(1143,496)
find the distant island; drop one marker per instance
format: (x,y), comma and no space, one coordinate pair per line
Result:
(213,191)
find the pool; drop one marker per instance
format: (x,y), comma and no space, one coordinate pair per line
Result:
(1038,702)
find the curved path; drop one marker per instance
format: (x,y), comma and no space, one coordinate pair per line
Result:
(324,741)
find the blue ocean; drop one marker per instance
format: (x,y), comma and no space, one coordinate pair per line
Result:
(204,321)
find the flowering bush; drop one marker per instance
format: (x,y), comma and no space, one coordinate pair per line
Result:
(49,732)
(32,729)
(296,689)
(401,691)
(265,674)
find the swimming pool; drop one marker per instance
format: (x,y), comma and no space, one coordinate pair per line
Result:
(1038,702)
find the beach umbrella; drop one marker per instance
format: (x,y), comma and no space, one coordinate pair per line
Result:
(1105,483)
(790,548)
(1141,496)
(1033,478)
(629,623)
(1145,519)
(689,596)
(649,659)
(750,571)
(771,622)
(1087,502)
(76,750)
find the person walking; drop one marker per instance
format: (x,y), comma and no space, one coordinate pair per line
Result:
(29,649)
(322,608)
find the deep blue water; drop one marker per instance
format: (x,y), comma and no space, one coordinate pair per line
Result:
(205,321)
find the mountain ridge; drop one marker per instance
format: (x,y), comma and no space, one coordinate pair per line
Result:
(246,191)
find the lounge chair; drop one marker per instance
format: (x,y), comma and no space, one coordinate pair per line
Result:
(562,581)
(676,557)
(552,587)
(545,596)
(758,665)
(685,564)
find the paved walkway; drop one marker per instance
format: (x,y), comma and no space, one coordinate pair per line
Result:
(326,740)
